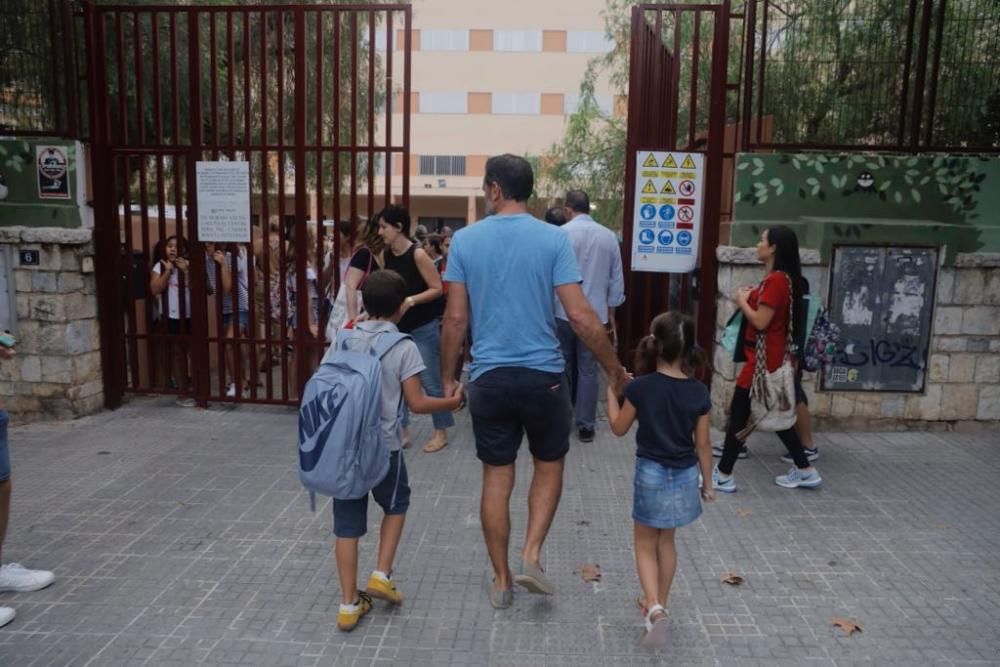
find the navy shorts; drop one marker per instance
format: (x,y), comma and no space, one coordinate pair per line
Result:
(507,403)
(4,449)
(350,517)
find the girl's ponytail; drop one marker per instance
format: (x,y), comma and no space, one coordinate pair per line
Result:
(646,355)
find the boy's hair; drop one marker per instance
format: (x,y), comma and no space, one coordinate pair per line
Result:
(383,293)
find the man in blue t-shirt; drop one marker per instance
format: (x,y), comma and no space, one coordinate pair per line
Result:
(502,272)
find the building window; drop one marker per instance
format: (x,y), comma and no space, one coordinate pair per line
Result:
(588,41)
(444,40)
(442,165)
(571,103)
(517,103)
(517,40)
(444,102)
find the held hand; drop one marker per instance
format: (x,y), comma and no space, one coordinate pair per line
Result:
(708,493)
(182,264)
(219,257)
(618,379)
(459,393)
(168,266)
(743,295)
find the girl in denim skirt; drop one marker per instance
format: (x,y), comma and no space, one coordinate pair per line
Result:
(672,445)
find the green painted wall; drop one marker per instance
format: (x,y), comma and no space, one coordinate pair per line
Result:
(23,206)
(852,198)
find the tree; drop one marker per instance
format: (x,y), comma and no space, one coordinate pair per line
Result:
(834,75)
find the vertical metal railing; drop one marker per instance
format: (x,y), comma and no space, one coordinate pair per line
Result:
(303,95)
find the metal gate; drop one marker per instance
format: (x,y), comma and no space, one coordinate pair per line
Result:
(676,101)
(317,100)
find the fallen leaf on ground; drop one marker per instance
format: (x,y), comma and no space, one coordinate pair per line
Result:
(591,572)
(847,625)
(743,512)
(583,523)
(732,579)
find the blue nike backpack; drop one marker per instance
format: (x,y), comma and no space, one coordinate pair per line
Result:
(341,450)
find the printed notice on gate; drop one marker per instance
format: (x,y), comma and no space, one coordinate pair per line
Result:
(667,224)
(223,201)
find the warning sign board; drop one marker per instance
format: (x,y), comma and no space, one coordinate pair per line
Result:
(674,247)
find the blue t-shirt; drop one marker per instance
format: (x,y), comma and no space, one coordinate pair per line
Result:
(668,410)
(510,264)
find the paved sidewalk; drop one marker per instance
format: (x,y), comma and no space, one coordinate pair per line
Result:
(182,537)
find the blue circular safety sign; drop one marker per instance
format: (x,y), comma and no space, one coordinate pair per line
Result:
(647,212)
(684,238)
(666,237)
(666,212)
(646,236)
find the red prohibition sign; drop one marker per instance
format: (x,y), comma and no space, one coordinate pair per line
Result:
(685,213)
(686,188)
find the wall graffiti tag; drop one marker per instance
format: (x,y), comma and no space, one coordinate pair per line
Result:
(882,300)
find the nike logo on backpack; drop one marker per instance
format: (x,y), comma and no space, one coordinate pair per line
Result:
(315,422)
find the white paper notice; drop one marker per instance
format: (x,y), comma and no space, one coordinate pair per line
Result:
(223,201)
(666,228)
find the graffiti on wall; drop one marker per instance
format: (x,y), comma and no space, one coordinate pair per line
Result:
(881,298)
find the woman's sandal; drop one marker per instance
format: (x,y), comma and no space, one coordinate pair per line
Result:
(656,627)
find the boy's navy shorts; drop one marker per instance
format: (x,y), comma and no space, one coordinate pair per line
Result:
(350,517)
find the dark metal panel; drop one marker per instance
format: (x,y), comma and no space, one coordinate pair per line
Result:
(882,298)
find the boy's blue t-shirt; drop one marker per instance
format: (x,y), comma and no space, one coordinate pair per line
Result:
(510,265)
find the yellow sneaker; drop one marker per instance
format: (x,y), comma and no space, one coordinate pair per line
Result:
(383,589)
(348,616)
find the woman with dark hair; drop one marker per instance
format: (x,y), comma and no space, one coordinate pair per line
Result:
(422,309)
(767,310)
(368,257)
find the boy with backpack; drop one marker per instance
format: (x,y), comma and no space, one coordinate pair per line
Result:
(400,366)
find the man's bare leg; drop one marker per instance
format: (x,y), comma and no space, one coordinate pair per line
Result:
(494,514)
(543,500)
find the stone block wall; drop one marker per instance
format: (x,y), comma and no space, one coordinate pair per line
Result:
(963,379)
(56,372)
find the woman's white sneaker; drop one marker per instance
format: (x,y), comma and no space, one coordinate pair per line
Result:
(6,616)
(796,478)
(19,579)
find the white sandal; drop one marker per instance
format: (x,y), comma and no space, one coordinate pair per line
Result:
(656,631)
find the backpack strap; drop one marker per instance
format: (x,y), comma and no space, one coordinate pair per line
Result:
(387,341)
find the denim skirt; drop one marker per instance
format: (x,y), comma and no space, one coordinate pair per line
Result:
(665,497)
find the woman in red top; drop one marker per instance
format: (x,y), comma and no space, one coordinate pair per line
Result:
(766,309)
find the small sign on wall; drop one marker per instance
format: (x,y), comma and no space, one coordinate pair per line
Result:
(52,165)
(28,258)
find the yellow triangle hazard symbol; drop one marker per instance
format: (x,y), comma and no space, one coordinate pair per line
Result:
(649,188)
(668,189)
(669,162)
(650,161)
(688,163)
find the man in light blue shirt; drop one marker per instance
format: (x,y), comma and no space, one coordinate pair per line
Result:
(600,260)
(503,271)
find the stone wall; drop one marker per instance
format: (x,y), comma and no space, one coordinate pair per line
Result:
(962,387)
(56,372)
